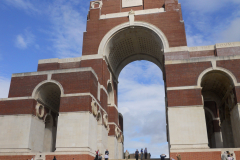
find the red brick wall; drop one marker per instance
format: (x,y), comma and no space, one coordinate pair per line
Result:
(77,82)
(231,65)
(24,106)
(184,97)
(70,157)
(237,154)
(150,4)
(69,65)
(19,157)
(184,74)
(198,155)
(24,86)
(237,89)
(74,104)
(48,66)
(112,115)
(96,65)
(112,130)
(168,22)
(228,51)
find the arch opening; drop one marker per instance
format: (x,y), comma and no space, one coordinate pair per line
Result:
(48,96)
(219,97)
(142,107)
(127,45)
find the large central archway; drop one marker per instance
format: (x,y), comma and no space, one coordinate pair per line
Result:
(125,44)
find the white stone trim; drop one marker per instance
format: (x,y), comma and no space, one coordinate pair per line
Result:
(230,74)
(125,14)
(102,87)
(55,72)
(202,48)
(113,106)
(113,123)
(68,60)
(190,49)
(183,88)
(118,28)
(169,107)
(15,98)
(202,59)
(227,45)
(204,150)
(48,81)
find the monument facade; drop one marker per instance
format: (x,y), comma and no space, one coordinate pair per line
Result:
(68,108)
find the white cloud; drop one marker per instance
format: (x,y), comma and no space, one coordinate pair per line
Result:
(68,27)
(4,87)
(141,101)
(24,40)
(23,4)
(232,33)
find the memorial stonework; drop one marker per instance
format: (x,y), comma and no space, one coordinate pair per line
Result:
(68,108)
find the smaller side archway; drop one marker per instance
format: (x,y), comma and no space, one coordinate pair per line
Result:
(48,94)
(219,97)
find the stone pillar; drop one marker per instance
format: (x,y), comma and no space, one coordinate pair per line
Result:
(235,121)
(187,127)
(77,131)
(120,150)
(217,135)
(102,138)
(113,147)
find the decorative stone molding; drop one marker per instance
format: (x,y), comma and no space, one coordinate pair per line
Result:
(105,120)
(108,128)
(117,132)
(96,2)
(98,117)
(94,108)
(121,138)
(39,110)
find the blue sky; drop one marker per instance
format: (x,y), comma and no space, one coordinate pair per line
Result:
(40,29)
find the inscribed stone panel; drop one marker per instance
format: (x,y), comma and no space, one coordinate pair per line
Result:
(131,3)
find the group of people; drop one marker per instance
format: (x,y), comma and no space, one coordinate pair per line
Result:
(227,156)
(99,156)
(137,154)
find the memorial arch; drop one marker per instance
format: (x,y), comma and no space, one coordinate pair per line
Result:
(202,86)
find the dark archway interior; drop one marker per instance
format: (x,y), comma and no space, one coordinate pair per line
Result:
(48,95)
(219,98)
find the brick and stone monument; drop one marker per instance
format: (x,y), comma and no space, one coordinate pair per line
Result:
(68,108)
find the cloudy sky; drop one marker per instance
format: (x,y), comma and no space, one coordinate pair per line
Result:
(40,29)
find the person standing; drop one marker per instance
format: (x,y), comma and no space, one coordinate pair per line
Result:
(141,154)
(126,154)
(100,157)
(145,153)
(54,158)
(178,157)
(229,157)
(107,152)
(136,154)
(232,156)
(162,156)
(97,152)
(224,156)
